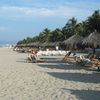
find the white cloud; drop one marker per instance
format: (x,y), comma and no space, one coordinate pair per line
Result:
(2,29)
(24,12)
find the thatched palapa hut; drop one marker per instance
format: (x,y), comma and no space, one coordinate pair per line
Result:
(74,42)
(51,45)
(93,41)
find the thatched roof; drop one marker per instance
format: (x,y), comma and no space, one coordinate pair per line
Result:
(73,41)
(33,44)
(93,40)
(50,44)
(21,45)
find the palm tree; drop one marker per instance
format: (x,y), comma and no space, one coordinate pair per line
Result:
(93,22)
(70,28)
(82,29)
(56,35)
(44,35)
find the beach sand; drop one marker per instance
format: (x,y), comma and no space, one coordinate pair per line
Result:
(45,81)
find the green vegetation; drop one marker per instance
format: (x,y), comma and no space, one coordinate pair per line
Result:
(72,27)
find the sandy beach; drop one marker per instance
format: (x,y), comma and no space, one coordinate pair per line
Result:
(45,81)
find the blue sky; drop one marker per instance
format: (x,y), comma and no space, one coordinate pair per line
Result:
(22,18)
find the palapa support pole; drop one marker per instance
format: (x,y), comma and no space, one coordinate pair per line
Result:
(93,50)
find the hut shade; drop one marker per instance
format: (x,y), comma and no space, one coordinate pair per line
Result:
(93,40)
(74,41)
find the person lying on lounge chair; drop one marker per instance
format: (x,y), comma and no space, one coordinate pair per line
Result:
(69,58)
(88,61)
(34,58)
(66,56)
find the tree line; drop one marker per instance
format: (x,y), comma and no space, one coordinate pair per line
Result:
(72,27)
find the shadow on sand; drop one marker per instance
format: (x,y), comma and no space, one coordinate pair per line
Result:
(64,66)
(79,77)
(94,77)
(85,94)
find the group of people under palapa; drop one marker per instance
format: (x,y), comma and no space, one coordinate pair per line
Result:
(89,60)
